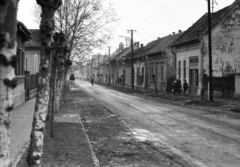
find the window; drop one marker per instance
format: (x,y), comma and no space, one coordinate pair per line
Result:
(138,76)
(36,65)
(179,69)
(184,69)
(151,73)
(162,73)
(156,75)
(142,75)
(193,60)
(19,70)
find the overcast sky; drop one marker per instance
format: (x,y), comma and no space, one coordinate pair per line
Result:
(151,18)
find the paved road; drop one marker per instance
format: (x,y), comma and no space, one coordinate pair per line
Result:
(199,137)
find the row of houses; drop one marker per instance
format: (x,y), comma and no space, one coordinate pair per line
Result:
(28,58)
(182,55)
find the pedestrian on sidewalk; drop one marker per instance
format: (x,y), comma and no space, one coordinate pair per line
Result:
(92,81)
(185,87)
(72,79)
(179,86)
(174,87)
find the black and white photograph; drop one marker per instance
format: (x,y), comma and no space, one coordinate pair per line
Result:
(120,83)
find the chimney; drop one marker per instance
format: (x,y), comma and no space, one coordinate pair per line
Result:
(173,33)
(121,46)
(137,44)
(179,31)
(141,45)
(158,38)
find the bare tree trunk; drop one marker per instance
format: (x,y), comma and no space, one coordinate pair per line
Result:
(42,100)
(50,95)
(8,60)
(60,39)
(53,96)
(58,88)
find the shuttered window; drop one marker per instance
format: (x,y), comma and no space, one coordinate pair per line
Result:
(19,70)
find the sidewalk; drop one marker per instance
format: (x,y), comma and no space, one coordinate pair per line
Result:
(70,145)
(21,126)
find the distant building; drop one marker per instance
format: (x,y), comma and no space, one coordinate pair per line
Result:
(161,63)
(32,63)
(33,52)
(23,35)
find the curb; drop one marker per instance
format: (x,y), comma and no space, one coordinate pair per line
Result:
(94,157)
(19,156)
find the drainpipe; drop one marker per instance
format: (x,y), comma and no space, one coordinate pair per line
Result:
(175,60)
(146,72)
(201,70)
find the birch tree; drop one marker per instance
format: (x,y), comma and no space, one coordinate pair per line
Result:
(8,60)
(87,24)
(42,100)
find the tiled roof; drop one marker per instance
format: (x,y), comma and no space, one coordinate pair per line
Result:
(23,29)
(115,54)
(165,42)
(124,53)
(201,26)
(142,51)
(36,41)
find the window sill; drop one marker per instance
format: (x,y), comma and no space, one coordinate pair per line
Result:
(20,76)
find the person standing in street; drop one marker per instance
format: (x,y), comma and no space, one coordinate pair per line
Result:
(72,79)
(185,87)
(179,86)
(92,81)
(174,87)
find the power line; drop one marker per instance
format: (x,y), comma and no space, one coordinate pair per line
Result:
(132,31)
(126,38)
(164,12)
(143,20)
(213,2)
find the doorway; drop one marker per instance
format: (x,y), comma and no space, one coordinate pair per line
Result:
(193,81)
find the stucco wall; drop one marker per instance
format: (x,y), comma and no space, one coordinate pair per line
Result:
(155,61)
(19,95)
(225,47)
(138,64)
(183,54)
(33,61)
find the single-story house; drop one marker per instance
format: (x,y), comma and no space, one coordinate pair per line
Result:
(192,53)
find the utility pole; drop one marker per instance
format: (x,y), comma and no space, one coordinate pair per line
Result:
(91,68)
(212,6)
(213,2)
(98,69)
(210,88)
(132,56)
(126,38)
(109,66)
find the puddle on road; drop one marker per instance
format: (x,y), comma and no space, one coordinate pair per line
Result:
(70,115)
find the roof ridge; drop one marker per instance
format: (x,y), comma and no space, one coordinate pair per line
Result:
(200,28)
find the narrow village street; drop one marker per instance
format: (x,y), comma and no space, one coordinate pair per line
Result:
(107,83)
(199,137)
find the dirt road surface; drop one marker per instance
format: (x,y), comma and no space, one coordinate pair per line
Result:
(200,137)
